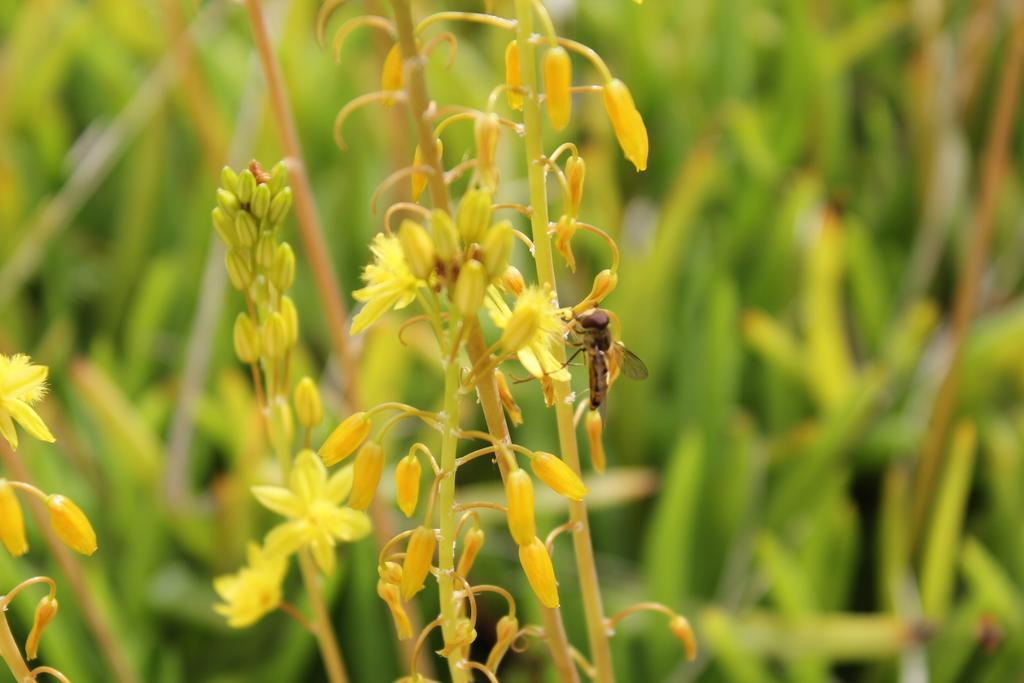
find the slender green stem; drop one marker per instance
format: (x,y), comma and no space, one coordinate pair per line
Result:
(325,637)
(10,653)
(587,570)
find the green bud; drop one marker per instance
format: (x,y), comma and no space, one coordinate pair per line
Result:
(278,178)
(281,426)
(282,273)
(275,335)
(308,406)
(279,206)
(246,186)
(247,339)
(265,250)
(246,228)
(470,288)
(446,237)
(239,270)
(497,248)
(417,248)
(260,203)
(224,226)
(474,215)
(227,201)
(291,320)
(228,179)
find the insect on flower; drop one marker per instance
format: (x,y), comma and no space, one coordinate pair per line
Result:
(605,356)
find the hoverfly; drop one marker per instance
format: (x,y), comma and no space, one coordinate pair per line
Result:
(605,356)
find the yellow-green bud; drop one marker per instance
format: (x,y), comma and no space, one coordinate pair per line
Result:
(260,203)
(417,248)
(575,174)
(486,132)
(228,179)
(470,288)
(497,248)
(557,82)
(246,186)
(366,475)
(227,201)
(279,206)
(290,315)
(446,237)
(282,272)
(265,250)
(407,483)
(247,339)
(246,228)
(474,215)
(224,226)
(278,178)
(275,335)
(513,80)
(308,406)
(239,270)
(281,426)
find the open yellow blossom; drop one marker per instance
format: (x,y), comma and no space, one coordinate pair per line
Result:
(313,505)
(21,384)
(253,590)
(531,330)
(389,282)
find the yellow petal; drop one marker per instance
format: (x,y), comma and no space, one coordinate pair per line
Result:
(29,419)
(279,500)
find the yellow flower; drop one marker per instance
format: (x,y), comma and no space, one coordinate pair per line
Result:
(539,572)
(519,493)
(71,524)
(316,517)
(531,330)
(21,385)
(345,438)
(389,283)
(626,121)
(553,471)
(253,590)
(418,554)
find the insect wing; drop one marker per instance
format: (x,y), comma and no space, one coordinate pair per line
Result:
(632,366)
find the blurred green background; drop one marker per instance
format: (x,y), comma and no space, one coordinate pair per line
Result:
(790,264)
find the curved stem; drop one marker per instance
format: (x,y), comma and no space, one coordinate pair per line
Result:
(586,567)
(10,653)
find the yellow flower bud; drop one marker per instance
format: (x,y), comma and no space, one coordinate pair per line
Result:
(626,121)
(275,335)
(246,186)
(519,492)
(564,231)
(224,226)
(474,215)
(418,555)
(512,281)
(46,610)
(308,407)
(279,206)
(366,475)
(239,270)
(446,236)
(407,483)
(575,174)
(486,133)
(247,339)
(391,572)
(536,562)
(595,426)
(228,179)
(345,439)
(71,524)
(227,201)
(12,524)
(260,204)
(471,545)
(470,288)
(604,284)
(497,248)
(266,248)
(389,593)
(557,68)
(419,179)
(282,272)
(682,630)
(291,320)
(246,229)
(505,633)
(278,178)
(553,471)
(515,415)
(513,79)
(418,248)
(391,72)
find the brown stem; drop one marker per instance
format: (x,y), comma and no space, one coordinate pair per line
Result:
(993,168)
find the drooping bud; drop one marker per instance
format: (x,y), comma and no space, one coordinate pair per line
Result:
(391,72)
(291,320)
(418,248)
(474,215)
(470,288)
(247,339)
(515,415)
(565,229)
(681,629)
(260,204)
(345,439)
(275,336)
(575,174)
(12,523)
(553,471)
(536,562)
(595,426)
(366,475)
(505,634)
(626,121)
(497,248)
(407,483)
(245,228)
(486,133)
(71,524)
(239,270)
(390,594)
(282,272)
(604,284)
(513,77)
(418,555)
(512,281)
(446,236)
(557,68)
(471,545)
(391,572)
(279,206)
(246,186)
(519,493)
(308,406)
(46,610)
(229,179)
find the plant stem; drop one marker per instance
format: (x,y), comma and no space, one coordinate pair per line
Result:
(10,653)
(325,637)
(446,511)
(600,651)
